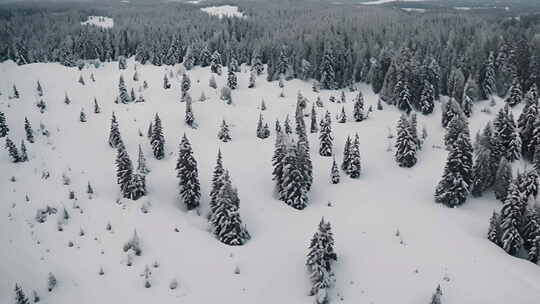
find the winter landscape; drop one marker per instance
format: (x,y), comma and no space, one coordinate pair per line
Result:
(256,152)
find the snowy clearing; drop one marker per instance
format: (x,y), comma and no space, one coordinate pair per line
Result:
(100,21)
(223,11)
(435,244)
(387,1)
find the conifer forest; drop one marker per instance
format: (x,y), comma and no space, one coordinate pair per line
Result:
(285,151)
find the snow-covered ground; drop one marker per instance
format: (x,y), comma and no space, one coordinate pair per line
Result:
(223,11)
(387,1)
(415,10)
(101,21)
(437,245)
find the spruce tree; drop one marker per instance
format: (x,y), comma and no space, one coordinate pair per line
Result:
(39,89)
(293,187)
(527,124)
(511,217)
(141,162)
(23,154)
(223,133)
(481,172)
(66,99)
(304,159)
(287,125)
(334,173)
(166,83)
(503,178)
(189,117)
(358,111)
(97,109)
(454,186)
(82,116)
(467,105)
(138,186)
(187,172)
(328,75)
(488,85)
(515,92)
(4,129)
(28,130)
(16,94)
(427,98)
(342,118)
(413,127)
(81,80)
(494,232)
(225,219)
(20,297)
(457,125)
(261,131)
(123,93)
(354,165)
(12,150)
(132,95)
(252,78)
(124,171)
(436,298)
(449,110)
(114,135)
(313,126)
(319,262)
(232,81)
(326,139)
(150,130)
(346,154)
(186,84)
(280,149)
(215,63)
(157,140)
(403,95)
(406,146)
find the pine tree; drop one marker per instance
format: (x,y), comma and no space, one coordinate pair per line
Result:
(354,165)
(515,92)
(141,162)
(280,149)
(277,126)
(527,124)
(403,95)
(263,105)
(304,159)
(82,116)
(217,181)
(232,81)
(334,173)
(328,75)
(66,99)
(457,125)
(81,80)
(313,127)
(4,129)
(28,130)
(23,155)
(252,78)
(405,144)
(511,216)
(503,178)
(358,112)
(467,105)
(427,98)
(132,95)
(138,186)
(16,94)
(136,76)
(342,118)
(326,139)
(39,89)
(346,154)
(488,84)
(494,232)
(450,109)
(454,186)
(114,135)
(223,133)
(166,83)
(122,63)
(123,93)
(20,297)
(97,109)
(225,218)
(187,172)
(262,132)
(413,127)
(215,63)
(319,262)
(507,134)
(186,84)
(481,172)
(287,125)
(293,186)
(51,282)
(436,298)
(189,117)
(150,130)
(124,171)
(157,140)
(319,102)
(41,106)
(12,150)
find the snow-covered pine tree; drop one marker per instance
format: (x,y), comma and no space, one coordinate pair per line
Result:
(515,92)
(136,76)
(287,125)
(124,171)
(4,129)
(23,154)
(39,89)
(413,126)
(334,173)
(449,110)
(488,84)
(503,178)
(149,131)
(436,298)
(132,95)
(20,297)
(427,98)
(12,150)
(507,134)
(97,109)
(342,118)
(42,106)
(114,135)
(260,128)
(293,186)
(66,99)
(187,173)
(28,130)
(454,186)
(215,63)
(313,126)
(82,116)
(280,149)
(325,136)
(406,146)
(123,93)
(232,80)
(319,102)
(494,232)
(186,85)
(467,105)
(225,219)
(81,80)
(354,164)
(189,117)
(224,134)
(527,124)
(16,94)
(358,110)
(403,95)
(319,262)
(138,186)
(122,63)
(217,182)
(482,171)
(346,154)
(141,162)
(157,140)
(511,216)
(457,125)
(252,78)
(277,126)
(263,105)
(166,83)
(304,159)
(328,74)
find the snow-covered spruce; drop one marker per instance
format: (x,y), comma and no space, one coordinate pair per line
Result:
(187,173)
(406,146)
(319,262)
(325,136)
(157,140)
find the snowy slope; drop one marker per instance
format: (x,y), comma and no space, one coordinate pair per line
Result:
(438,245)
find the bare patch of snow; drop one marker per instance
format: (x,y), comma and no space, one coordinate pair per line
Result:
(105,22)
(414,9)
(223,11)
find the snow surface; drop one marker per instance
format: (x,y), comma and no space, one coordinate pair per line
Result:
(388,1)
(223,11)
(437,245)
(104,22)
(415,10)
